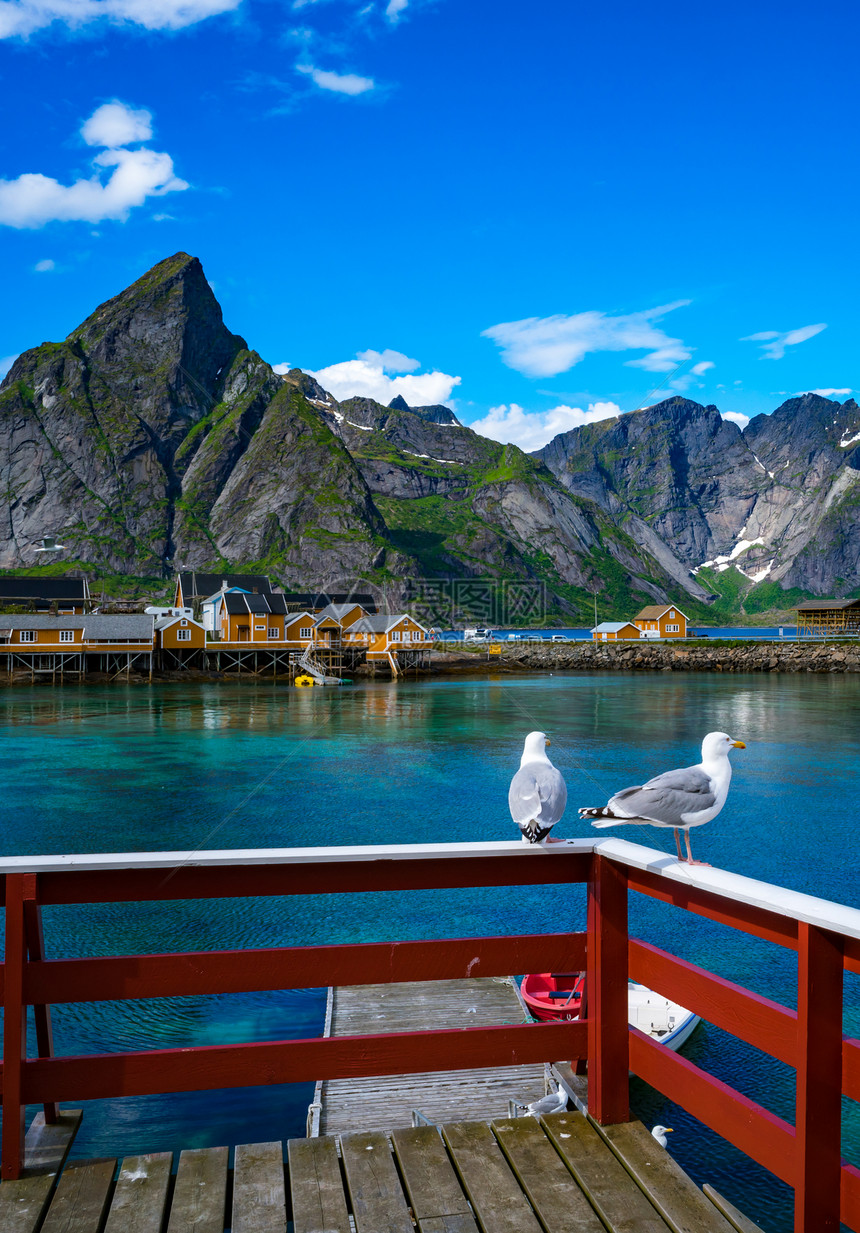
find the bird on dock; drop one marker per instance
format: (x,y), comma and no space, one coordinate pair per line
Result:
(554,1102)
(660,1132)
(538,795)
(682,798)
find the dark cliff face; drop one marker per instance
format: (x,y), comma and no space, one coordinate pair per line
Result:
(779,498)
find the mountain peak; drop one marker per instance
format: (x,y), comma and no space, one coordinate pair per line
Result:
(399,403)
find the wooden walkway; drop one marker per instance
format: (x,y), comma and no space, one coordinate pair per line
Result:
(344,1105)
(514,1175)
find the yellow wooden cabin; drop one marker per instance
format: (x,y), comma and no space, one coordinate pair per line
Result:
(661,621)
(384,636)
(179,633)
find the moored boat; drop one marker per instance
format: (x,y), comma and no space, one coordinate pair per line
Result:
(558,996)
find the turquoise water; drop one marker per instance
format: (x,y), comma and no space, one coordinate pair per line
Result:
(179,766)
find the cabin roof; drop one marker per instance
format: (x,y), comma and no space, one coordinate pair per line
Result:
(612,627)
(318,601)
(133,625)
(824,605)
(213,599)
(338,611)
(654,611)
(381,624)
(166,621)
(15,587)
(195,586)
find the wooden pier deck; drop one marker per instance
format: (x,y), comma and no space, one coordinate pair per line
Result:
(513,1175)
(345,1105)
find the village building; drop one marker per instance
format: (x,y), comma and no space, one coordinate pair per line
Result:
(319,601)
(192,588)
(661,621)
(820,617)
(67,596)
(615,631)
(243,617)
(398,641)
(180,641)
(60,645)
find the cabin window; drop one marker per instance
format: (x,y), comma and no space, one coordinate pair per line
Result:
(183,635)
(67,635)
(259,627)
(273,631)
(672,613)
(183,622)
(673,629)
(28,635)
(306,632)
(395,635)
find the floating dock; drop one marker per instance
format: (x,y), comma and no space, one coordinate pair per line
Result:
(345,1105)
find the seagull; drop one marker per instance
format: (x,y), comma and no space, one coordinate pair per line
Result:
(660,1132)
(680,799)
(49,544)
(553,1102)
(537,795)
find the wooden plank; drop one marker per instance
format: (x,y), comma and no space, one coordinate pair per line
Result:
(140,1195)
(553,1193)
(610,1189)
(736,1218)
(432,1185)
(378,1205)
(497,1200)
(200,1195)
(259,1193)
(316,1187)
(24,1202)
(81,1199)
(675,1195)
(47,1145)
(447,1224)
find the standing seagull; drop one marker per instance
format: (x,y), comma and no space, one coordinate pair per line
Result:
(680,799)
(537,795)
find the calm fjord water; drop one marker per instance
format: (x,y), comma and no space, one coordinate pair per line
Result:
(226,766)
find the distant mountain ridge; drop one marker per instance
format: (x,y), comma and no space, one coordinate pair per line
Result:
(153,438)
(780,499)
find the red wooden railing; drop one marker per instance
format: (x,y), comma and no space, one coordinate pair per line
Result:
(805,1155)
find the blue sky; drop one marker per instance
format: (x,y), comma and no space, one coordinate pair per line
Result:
(536,213)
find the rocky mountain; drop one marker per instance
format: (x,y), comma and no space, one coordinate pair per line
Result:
(779,500)
(153,438)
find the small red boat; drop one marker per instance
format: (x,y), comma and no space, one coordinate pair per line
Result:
(553,995)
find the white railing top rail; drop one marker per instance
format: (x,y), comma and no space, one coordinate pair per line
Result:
(720,882)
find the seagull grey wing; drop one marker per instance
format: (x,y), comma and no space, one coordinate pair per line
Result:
(537,791)
(667,798)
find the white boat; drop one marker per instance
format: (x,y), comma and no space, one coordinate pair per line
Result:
(663,1020)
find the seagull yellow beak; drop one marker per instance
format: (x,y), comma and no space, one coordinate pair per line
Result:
(548,741)
(668,1130)
(738,745)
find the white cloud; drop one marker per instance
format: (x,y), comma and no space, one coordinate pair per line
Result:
(32,200)
(698,369)
(340,83)
(825,393)
(391,361)
(361,378)
(774,342)
(20,18)
(6,362)
(736,417)
(114,124)
(42,267)
(395,8)
(545,346)
(531,429)
(282,369)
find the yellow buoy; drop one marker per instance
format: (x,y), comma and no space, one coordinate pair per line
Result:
(302,682)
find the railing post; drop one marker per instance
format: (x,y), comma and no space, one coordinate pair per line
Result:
(608,1063)
(818,1105)
(35,939)
(14,1031)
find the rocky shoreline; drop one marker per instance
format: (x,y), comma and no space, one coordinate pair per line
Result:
(776,656)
